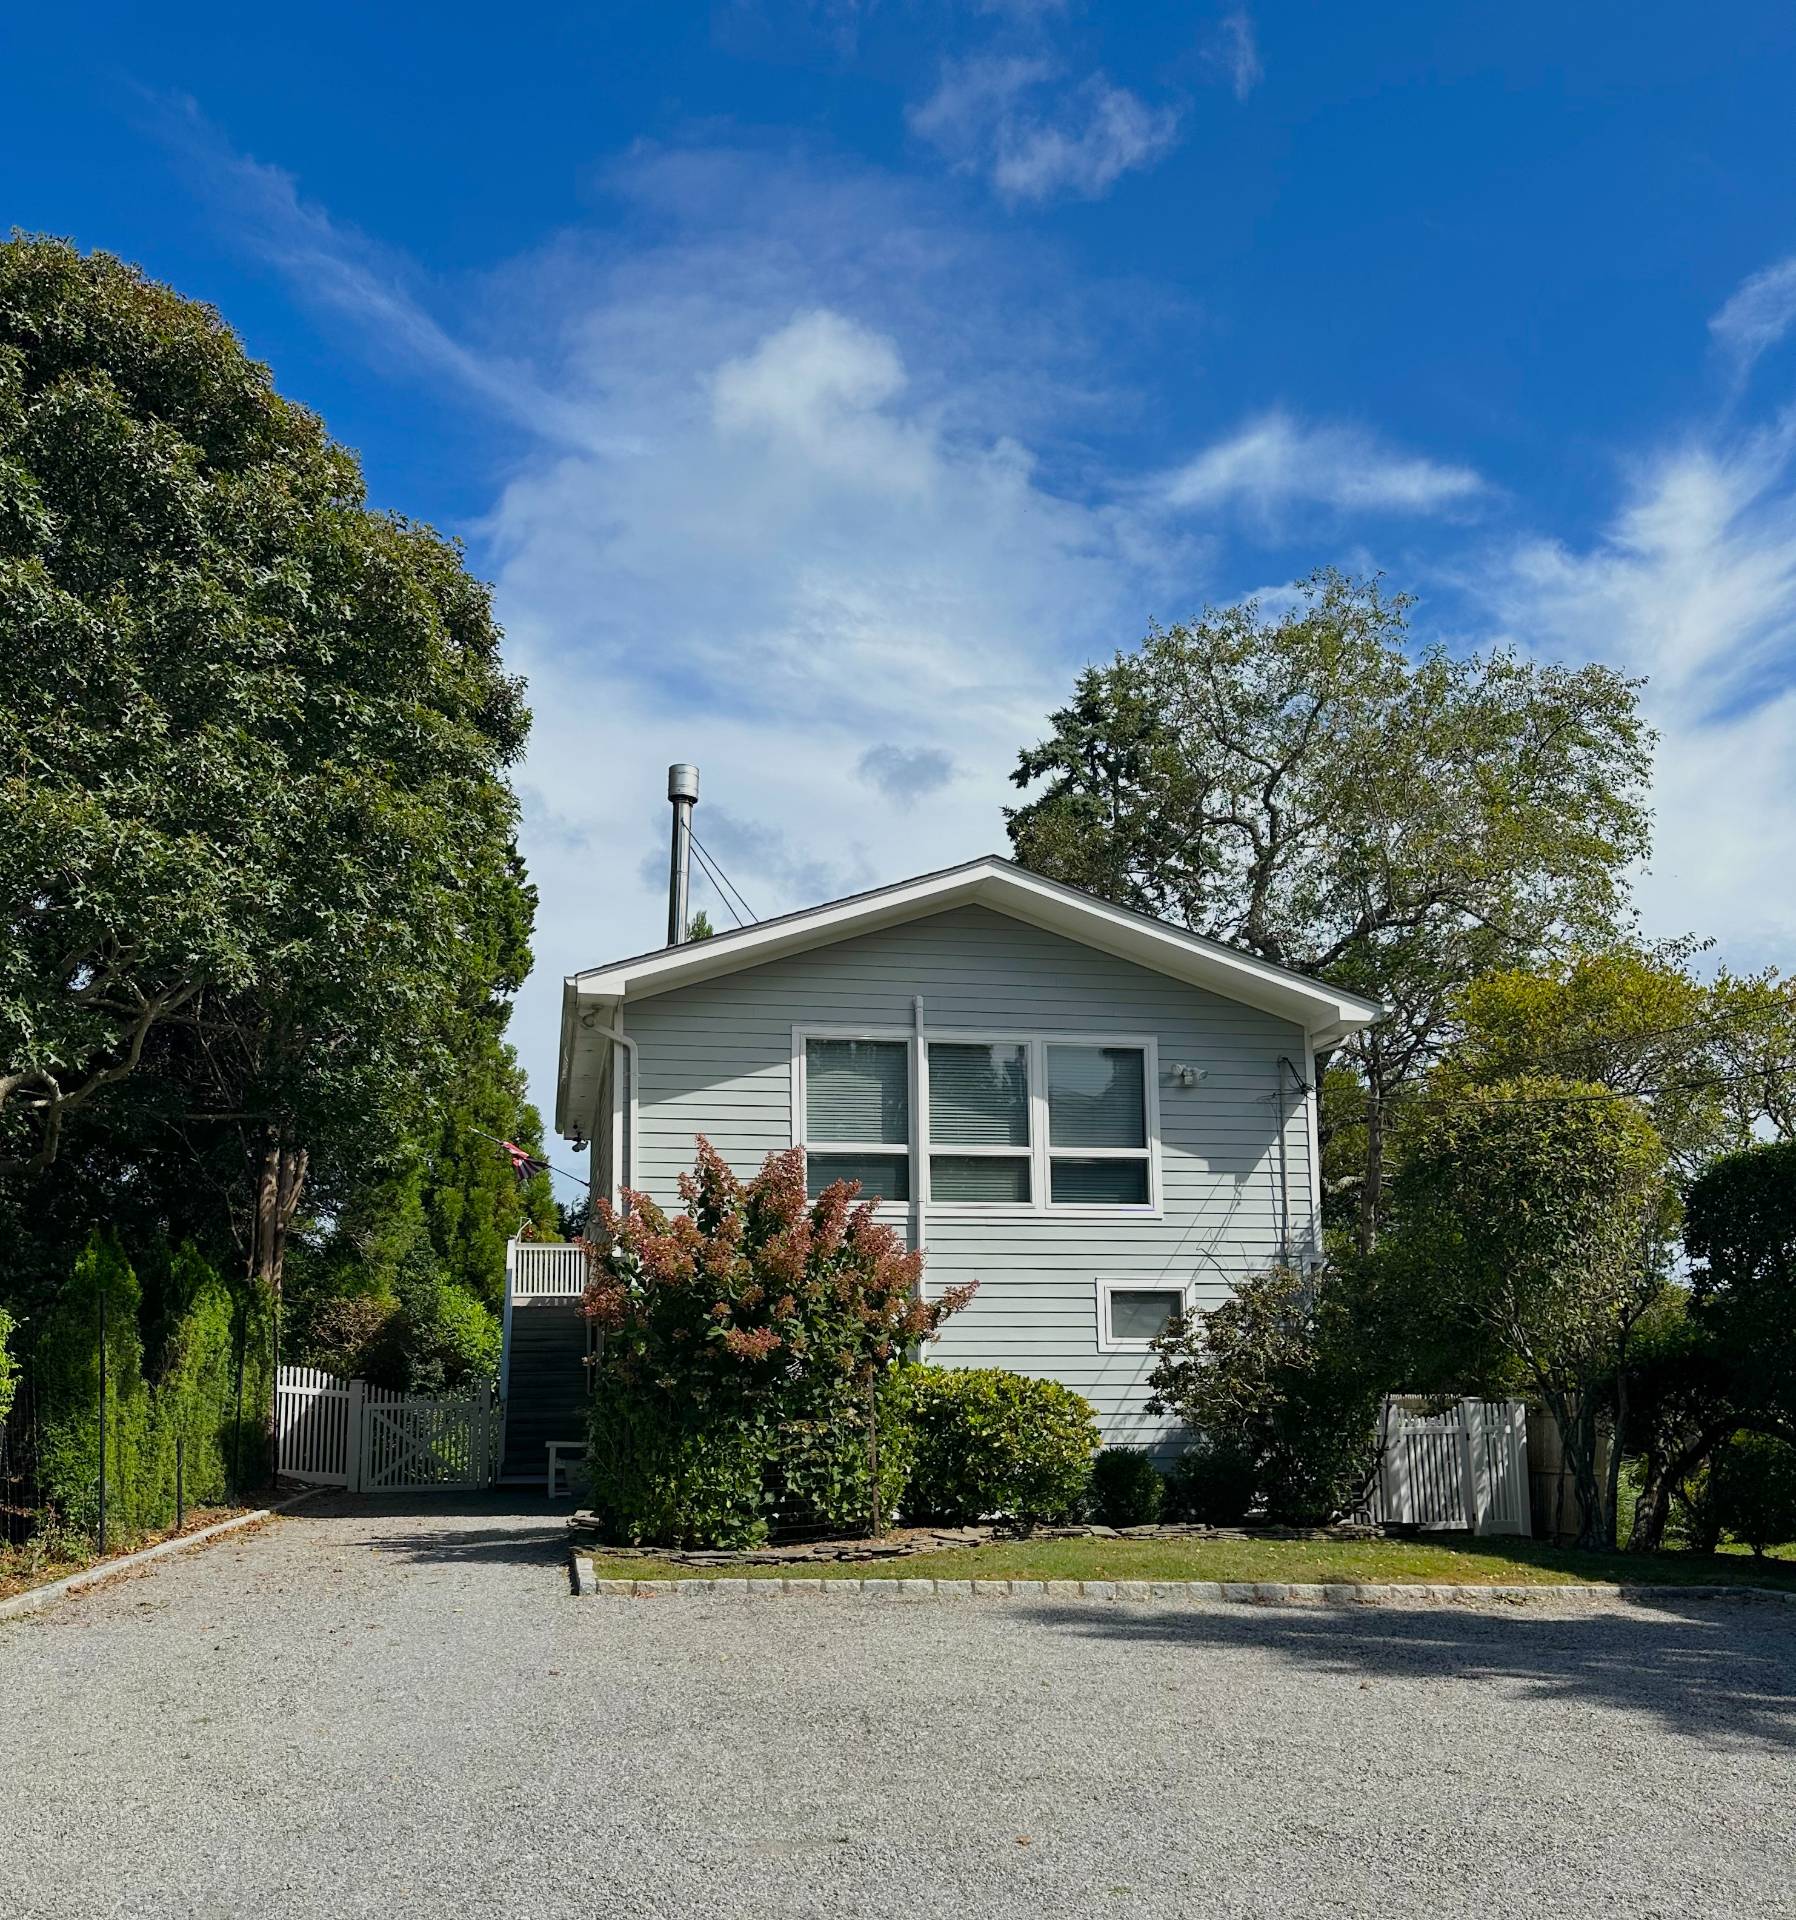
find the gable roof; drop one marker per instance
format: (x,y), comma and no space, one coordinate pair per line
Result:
(1327,1013)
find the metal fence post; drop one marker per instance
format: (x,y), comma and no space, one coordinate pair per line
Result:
(102,1415)
(180,1482)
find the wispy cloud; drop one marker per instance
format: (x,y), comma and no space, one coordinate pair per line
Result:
(1235,49)
(1692,585)
(1275,462)
(338,269)
(1760,311)
(779,516)
(1036,137)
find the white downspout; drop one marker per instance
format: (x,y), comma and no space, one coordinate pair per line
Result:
(919,1171)
(623,1165)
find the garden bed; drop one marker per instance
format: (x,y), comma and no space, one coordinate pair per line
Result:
(905,1543)
(27,1566)
(1166,1554)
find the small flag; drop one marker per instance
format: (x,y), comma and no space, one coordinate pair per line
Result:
(523,1163)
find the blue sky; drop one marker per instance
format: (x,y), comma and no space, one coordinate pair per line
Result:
(822,384)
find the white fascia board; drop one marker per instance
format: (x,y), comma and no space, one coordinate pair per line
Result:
(1327,1012)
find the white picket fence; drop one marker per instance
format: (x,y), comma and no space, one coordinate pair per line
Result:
(1464,1469)
(345,1433)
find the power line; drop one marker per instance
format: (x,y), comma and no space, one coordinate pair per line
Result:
(1477,1097)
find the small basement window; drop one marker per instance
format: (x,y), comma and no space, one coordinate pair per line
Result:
(1131,1318)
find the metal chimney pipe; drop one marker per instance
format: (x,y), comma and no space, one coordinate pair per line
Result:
(682,790)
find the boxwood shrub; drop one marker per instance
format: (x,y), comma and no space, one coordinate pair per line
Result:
(991,1443)
(1126,1488)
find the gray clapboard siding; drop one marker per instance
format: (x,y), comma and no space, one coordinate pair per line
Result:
(716,1058)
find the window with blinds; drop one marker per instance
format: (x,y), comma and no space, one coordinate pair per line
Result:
(1026,1121)
(979,1105)
(1097,1127)
(857,1115)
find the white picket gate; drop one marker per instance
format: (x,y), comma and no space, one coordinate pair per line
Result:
(1464,1469)
(345,1433)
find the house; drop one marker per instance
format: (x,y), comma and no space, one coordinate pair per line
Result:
(1102,1118)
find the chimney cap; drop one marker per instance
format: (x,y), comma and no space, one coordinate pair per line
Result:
(682,782)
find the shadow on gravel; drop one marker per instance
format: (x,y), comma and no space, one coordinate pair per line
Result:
(500,1528)
(1721,1673)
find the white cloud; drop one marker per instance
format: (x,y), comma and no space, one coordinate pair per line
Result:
(1036,140)
(1236,50)
(1274,463)
(1760,311)
(1693,585)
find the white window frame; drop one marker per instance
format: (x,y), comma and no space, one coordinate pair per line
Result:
(1105,1288)
(860,1148)
(1041,1154)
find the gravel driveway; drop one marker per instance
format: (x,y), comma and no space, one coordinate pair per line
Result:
(362,1710)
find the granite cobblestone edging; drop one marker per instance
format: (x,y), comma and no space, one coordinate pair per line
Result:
(900,1591)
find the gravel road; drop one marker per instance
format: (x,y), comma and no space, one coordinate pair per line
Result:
(360,1710)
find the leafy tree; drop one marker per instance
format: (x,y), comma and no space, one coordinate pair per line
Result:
(1276,1382)
(1532,1214)
(1740,1234)
(473,1201)
(255,838)
(1755,1491)
(1680,1393)
(1701,1055)
(1299,785)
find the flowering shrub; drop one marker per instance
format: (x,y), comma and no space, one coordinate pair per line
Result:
(746,1373)
(990,1442)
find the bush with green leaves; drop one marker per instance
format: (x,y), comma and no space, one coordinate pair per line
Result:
(9,1368)
(1275,1376)
(101,1293)
(196,1431)
(1215,1481)
(744,1339)
(996,1444)
(1753,1486)
(192,1404)
(1127,1489)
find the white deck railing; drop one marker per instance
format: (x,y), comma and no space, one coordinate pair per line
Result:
(545,1270)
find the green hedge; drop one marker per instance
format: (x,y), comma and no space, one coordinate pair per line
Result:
(994,1443)
(176,1435)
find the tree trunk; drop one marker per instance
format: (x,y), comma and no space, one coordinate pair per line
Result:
(1577,1445)
(1596,1528)
(280,1180)
(1371,1193)
(1664,1473)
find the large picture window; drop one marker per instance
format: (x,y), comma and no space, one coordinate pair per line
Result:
(857,1115)
(1016,1122)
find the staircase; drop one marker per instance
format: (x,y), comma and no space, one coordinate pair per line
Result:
(544,1368)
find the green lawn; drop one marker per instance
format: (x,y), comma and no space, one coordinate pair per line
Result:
(1455,1558)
